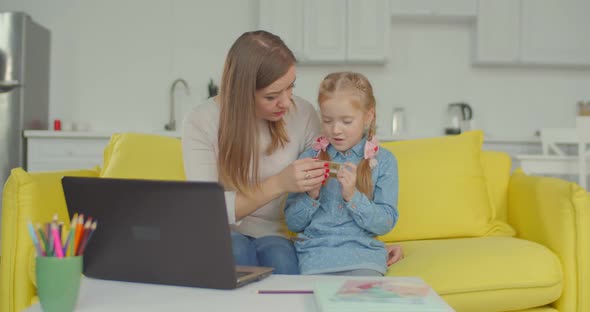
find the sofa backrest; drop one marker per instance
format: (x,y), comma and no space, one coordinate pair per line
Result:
(143,156)
(449,187)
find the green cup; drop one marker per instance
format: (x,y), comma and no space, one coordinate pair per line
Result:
(58,282)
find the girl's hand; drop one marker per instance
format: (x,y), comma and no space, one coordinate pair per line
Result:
(314,194)
(347,177)
(303,175)
(394,254)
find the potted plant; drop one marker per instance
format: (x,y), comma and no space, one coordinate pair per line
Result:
(213,89)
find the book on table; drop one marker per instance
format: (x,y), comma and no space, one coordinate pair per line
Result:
(408,294)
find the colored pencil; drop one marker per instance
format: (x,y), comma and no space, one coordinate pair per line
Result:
(285,292)
(43,242)
(85,243)
(34,238)
(79,232)
(49,239)
(69,245)
(60,231)
(85,233)
(56,241)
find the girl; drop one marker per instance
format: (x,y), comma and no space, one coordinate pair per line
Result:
(338,222)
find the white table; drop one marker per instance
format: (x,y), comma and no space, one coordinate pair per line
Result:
(98,295)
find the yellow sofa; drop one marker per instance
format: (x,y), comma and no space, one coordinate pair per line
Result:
(485,239)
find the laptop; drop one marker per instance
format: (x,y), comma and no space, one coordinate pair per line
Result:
(159,232)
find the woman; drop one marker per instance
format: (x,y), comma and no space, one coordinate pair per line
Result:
(248,138)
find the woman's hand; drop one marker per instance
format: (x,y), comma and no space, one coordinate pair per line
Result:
(394,254)
(347,177)
(304,175)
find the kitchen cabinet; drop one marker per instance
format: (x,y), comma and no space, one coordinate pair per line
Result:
(319,32)
(69,150)
(285,19)
(325,35)
(554,32)
(369,40)
(434,9)
(532,32)
(498,32)
(63,152)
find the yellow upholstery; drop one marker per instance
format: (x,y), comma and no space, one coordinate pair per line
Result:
(555,213)
(544,268)
(496,165)
(481,273)
(34,197)
(143,156)
(442,189)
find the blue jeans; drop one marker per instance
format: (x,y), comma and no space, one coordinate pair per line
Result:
(269,251)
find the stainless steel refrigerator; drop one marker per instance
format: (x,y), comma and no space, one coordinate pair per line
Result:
(24,86)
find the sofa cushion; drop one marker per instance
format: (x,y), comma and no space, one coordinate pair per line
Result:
(442,191)
(143,156)
(485,273)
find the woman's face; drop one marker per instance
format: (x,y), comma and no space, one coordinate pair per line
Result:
(273,102)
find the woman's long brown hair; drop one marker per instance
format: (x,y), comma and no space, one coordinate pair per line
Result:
(361,93)
(255,61)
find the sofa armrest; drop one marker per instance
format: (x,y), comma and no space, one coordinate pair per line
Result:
(34,197)
(555,213)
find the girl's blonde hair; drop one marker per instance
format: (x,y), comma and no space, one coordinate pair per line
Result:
(360,92)
(255,61)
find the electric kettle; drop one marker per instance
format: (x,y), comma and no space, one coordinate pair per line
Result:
(460,117)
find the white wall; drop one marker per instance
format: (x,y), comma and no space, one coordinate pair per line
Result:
(113,62)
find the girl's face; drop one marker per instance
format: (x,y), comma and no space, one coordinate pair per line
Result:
(273,102)
(343,122)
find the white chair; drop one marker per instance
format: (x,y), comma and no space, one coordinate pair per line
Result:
(555,159)
(583,134)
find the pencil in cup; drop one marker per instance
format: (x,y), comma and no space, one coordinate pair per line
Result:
(68,247)
(57,240)
(86,238)
(35,239)
(43,242)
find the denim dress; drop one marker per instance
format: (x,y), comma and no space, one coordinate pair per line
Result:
(335,235)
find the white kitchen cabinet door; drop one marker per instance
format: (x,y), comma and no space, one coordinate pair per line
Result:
(556,32)
(50,154)
(284,18)
(498,32)
(447,9)
(368,31)
(325,31)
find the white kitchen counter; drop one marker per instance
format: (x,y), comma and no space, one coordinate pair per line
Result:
(87,134)
(382,138)
(487,139)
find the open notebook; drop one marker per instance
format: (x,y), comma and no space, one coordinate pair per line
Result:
(408,294)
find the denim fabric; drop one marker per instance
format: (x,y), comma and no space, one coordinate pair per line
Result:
(269,251)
